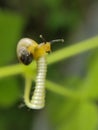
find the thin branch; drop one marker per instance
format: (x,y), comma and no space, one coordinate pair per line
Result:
(16,69)
(72,50)
(10,70)
(63,90)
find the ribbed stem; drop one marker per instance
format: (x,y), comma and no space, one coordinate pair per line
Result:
(38,98)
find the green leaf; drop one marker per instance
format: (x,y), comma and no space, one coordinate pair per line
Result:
(83,118)
(90,84)
(60,109)
(9,92)
(11,25)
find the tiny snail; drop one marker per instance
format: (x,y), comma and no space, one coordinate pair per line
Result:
(27,50)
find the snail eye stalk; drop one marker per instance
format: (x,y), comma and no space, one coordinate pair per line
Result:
(57,40)
(43,39)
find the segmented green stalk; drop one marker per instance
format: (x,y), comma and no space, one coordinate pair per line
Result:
(38,97)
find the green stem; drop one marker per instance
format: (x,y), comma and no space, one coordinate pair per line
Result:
(63,90)
(28,84)
(16,69)
(73,50)
(11,70)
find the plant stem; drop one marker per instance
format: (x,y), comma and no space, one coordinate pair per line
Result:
(16,69)
(28,84)
(63,90)
(72,50)
(11,70)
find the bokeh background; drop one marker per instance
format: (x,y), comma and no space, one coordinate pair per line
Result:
(73,20)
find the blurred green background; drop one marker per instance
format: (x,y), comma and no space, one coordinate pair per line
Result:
(73,20)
